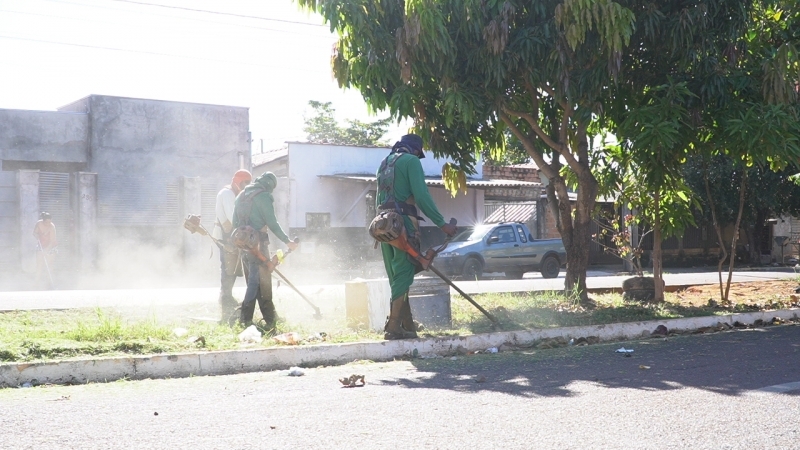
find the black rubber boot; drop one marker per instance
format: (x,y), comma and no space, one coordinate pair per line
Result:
(270,317)
(246,314)
(227,307)
(406,320)
(394,328)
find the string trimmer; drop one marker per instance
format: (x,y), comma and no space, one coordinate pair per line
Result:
(402,243)
(193,224)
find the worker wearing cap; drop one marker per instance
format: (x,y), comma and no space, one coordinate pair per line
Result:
(229,257)
(255,207)
(401,187)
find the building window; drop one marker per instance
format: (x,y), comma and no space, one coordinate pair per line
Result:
(318,221)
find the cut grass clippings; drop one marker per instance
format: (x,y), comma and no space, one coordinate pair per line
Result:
(41,335)
(553,309)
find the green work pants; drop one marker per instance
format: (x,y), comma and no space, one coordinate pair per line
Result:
(399,269)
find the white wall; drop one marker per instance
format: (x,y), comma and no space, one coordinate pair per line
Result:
(310,193)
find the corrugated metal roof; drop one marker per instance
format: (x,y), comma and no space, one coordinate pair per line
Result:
(260,159)
(437,181)
(518,212)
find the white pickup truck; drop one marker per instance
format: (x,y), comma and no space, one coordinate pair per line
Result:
(501,247)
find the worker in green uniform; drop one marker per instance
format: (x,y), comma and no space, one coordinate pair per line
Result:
(255,207)
(401,187)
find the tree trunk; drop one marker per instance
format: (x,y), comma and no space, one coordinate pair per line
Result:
(742,189)
(577,236)
(658,272)
(718,229)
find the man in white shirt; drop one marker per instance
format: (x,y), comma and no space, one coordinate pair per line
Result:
(229,257)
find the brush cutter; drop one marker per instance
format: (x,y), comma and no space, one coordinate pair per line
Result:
(193,224)
(402,243)
(272,265)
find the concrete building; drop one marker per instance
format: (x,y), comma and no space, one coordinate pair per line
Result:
(326,196)
(118,175)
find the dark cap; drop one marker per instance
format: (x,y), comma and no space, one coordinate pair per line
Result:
(415,142)
(44,215)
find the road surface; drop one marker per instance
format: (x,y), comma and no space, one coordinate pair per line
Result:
(732,390)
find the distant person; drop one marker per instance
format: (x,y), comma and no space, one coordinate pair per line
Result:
(229,256)
(401,187)
(45,233)
(255,207)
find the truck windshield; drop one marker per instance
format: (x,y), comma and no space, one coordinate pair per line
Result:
(474,234)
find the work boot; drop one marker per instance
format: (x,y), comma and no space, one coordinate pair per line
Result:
(266,328)
(406,320)
(394,324)
(246,314)
(227,306)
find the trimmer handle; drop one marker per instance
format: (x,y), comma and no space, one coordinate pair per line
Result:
(447,238)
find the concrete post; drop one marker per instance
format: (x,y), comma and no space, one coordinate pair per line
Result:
(190,195)
(367,303)
(28,197)
(87,220)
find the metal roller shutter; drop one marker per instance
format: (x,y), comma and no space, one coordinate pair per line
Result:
(54,198)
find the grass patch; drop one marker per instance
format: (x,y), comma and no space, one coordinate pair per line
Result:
(517,311)
(52,334)
(40,335)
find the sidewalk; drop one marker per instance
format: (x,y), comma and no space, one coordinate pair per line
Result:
(266,359)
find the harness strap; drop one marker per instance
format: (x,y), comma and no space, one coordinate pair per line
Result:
(386,185)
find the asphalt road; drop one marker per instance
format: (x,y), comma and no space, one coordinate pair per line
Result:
(200,303)
(325,293)
(732,390)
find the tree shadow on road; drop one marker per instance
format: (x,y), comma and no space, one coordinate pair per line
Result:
(727,363)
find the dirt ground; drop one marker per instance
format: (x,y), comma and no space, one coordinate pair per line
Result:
(757,293)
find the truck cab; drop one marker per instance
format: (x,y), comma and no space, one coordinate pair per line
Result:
(503,247)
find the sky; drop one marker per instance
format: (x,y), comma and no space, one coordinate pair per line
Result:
(266,55)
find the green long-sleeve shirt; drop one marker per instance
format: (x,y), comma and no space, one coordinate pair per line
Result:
(409,179)
(262,213)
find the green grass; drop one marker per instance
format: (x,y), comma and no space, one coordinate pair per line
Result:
(553,309)
(58,334)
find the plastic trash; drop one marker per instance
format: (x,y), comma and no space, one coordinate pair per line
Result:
(290,338)
(491,350)
(296,372)
(180,332)
(624,350)
(250,335)
(26,385)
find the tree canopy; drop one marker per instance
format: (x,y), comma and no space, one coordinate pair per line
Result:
(323,128)
(553,73)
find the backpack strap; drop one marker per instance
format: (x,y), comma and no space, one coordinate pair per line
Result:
(243,214)
(386,185)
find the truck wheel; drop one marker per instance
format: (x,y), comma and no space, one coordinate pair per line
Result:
(473,269)
(550,267)
(514,274)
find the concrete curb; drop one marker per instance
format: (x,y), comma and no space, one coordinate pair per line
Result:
(278,358)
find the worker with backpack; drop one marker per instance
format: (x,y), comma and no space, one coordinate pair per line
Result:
(401,189)
(253,216)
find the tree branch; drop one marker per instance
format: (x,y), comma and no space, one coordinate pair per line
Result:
(536,128)
(548,169)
